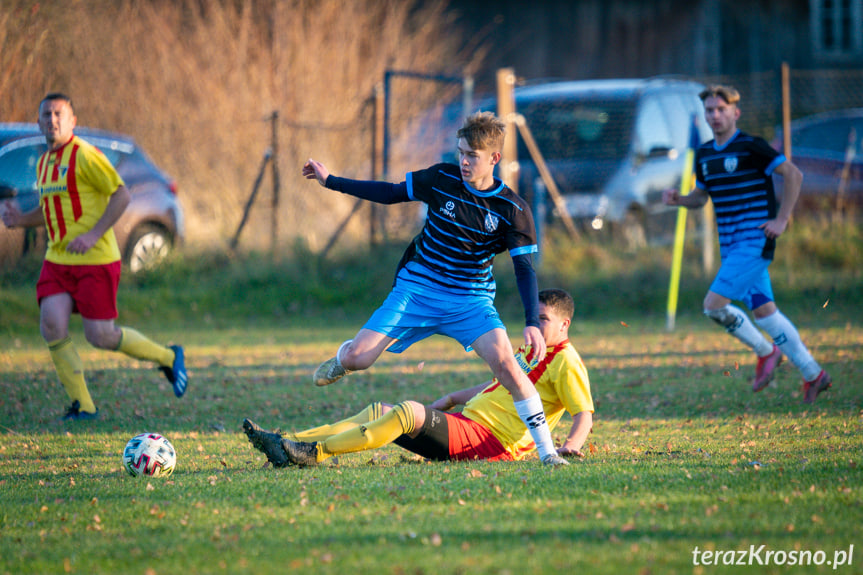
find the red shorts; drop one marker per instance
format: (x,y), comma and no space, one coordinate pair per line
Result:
(471,440)
(93,288)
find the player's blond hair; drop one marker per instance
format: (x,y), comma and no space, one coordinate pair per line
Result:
(727,93)
(483,131)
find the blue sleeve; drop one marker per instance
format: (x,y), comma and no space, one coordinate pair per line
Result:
(378,192)
(525,277)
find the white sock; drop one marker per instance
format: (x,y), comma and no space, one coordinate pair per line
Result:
(737,323)
(531,413)
(786,336)
(339,352)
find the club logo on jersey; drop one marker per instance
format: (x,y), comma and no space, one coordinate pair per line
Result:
(63,171)
(448,209)
(491,222)
(730,164)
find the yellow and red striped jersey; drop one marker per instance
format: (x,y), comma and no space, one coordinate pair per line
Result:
(562,383)
(75,183)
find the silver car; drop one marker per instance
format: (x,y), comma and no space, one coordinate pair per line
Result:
(150,228)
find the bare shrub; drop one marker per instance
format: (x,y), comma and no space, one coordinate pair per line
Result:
(195,81)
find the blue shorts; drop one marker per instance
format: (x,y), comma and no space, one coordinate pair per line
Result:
(409,317)
(744,278)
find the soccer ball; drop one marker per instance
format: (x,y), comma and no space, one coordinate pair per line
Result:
(149,454)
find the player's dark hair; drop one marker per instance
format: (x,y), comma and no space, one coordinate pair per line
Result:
(727,93)
(558,300)
(483,131)
(57,96)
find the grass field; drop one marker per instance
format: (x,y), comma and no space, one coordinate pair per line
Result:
(684,458)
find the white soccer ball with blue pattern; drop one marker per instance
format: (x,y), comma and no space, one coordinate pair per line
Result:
(149,454)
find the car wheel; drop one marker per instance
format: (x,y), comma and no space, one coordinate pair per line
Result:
(631,233)
(148,245)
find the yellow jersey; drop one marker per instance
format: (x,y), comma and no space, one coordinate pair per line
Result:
(562,383)
(75,183)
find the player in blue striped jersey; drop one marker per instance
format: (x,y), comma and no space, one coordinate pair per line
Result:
(444,283)
(735,170)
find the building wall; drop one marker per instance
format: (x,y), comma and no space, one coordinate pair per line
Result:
(629,38)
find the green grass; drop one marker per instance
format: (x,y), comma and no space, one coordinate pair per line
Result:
(683,455)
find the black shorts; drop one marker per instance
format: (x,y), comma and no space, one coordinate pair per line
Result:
(433,439)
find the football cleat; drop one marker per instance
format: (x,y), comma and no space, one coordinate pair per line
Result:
(74,413)
(811,389)
(302,453)
(329,372)
(554,460)
(176,374)
(267,442)
(766,368)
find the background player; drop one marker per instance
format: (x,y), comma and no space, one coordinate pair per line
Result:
(81,196)
(735,170)
(487,428)
(444,283)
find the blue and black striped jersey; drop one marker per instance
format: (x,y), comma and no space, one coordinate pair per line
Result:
(464,229)
(738,177)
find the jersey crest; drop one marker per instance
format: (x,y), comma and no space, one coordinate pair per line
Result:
(730,165)
(491,222)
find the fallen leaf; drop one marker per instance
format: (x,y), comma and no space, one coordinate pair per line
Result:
(624,324)
(825,303)
(421,365)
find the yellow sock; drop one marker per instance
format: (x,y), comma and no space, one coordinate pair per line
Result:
(70,370)
(377,433)
(134,344)
(370,413)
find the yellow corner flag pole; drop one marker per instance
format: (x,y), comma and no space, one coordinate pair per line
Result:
(680,230)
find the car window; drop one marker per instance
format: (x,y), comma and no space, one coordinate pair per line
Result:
(652,130)
(830,136)
(567,128)
(688,110)
(18,167)
(679,118)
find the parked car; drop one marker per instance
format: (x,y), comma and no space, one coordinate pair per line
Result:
(828,148)
(148,230)
(612,147)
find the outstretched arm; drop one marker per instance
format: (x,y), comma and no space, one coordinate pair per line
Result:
(378,192)
(581,425)
(459,397)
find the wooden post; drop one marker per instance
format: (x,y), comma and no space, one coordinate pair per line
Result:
(786,110)
(506,111)
(545,174)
